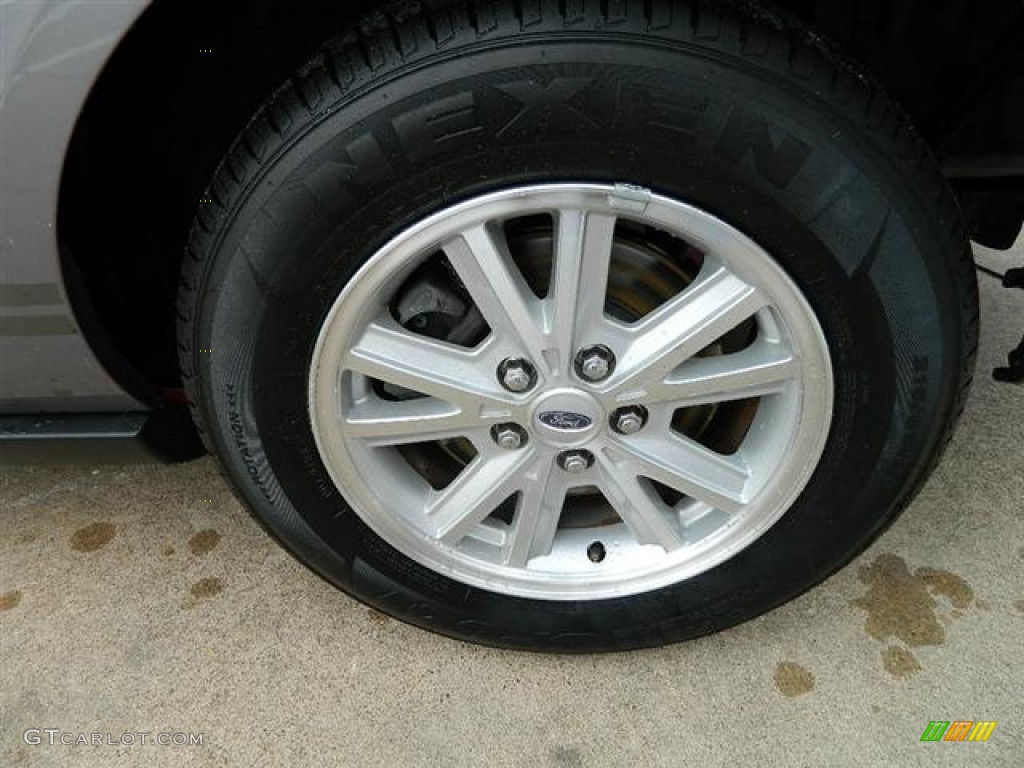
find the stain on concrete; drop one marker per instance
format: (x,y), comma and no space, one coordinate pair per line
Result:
(902,605)
(1019,605)
(206,588)
(10,600)
(793,679)
(949,584)
(168,551)
(899,662)
(566,757)
(204,542)
(92,537)
(982,605)
(913,609)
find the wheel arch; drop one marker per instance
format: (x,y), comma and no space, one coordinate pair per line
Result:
(179,86)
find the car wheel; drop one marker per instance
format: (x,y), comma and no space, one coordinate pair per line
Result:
(579,327)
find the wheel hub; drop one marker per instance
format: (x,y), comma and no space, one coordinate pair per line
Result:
(567,418)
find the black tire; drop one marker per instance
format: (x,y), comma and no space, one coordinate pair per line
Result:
(723,108)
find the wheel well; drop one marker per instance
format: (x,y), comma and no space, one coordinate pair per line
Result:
(189,74)
(936,58)
(180,86)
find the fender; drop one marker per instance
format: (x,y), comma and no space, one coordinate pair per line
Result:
(53,53)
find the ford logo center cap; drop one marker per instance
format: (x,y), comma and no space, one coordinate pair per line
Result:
(566,420)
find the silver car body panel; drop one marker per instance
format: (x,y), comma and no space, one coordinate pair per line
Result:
(51,53)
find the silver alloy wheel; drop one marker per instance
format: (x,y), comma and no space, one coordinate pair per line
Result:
(676,505)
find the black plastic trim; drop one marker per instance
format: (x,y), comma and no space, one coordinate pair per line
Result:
(163,436)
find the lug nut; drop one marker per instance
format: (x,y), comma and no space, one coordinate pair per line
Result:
(629,420)
(511,437)
(517,375)
(595,363)
(576,462)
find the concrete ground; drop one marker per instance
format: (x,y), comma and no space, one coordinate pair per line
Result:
(145,599)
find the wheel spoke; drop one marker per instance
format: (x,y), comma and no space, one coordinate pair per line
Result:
(486,482)
(480,257)
(762,369)
(385,422)
(638,504)
(390,353)
(680,329)
(537,515)
(583,248)
(691,469)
